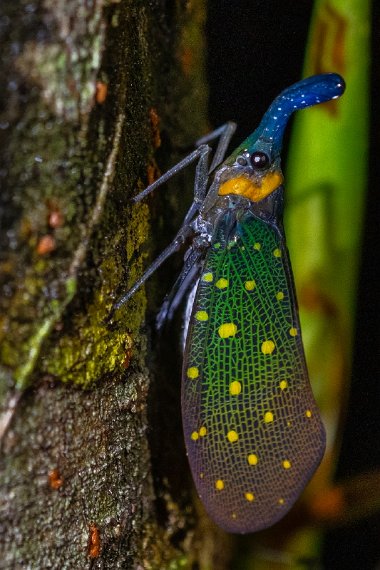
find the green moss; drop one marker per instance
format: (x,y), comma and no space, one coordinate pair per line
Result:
(181,563)
(159,553)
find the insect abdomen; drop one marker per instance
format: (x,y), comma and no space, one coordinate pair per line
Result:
(252,430)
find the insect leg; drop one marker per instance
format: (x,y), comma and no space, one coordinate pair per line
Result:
(184,281)
(202,170)
(200,185)
(174,246)
(191,267)
(200,153)
(224,133)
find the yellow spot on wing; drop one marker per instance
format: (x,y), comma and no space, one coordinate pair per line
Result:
(250,285)
(194,435)
(257,246)
(208,277)
(286,464)
(232,436)
(192,372)
(235,388)
(227,329)
(252,459)
(293,331)
(268,347)
(280,296)
(219,485)
(308,413)
(281,501)
(283,384)
(202,431)
(277,252)
(201,316)
(249,496)
(268,417)
(221,283)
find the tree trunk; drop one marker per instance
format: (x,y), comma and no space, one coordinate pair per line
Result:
(89,89)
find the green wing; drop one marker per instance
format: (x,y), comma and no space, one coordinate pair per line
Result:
(253,433)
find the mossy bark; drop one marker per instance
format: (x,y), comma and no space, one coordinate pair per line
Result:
(89,90)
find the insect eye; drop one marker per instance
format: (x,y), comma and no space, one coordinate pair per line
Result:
(259,160)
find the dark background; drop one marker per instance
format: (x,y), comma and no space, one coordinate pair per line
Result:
(256,49)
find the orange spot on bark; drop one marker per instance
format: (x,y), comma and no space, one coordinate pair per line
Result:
(55,480)
(154,125)
(55,219)
(101,92)
(152,173)
(187,60)
(127,357)
(46,245)
(93,549)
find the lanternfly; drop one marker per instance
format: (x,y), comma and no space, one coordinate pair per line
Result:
(253,433)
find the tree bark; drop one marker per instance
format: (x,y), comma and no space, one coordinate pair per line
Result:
(90,89)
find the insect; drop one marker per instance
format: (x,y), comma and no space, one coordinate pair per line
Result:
(253,433)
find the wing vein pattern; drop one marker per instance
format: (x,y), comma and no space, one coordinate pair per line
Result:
(252,429)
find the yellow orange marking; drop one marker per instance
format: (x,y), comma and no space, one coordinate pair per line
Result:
(281,501)
(249,496)
(308,413)
(252,459)
(232,436)
(268,347)
(268,417)
(227,329)
(239,185)
(286,464)
(280,296)
(208,277)
(219,485)
(277,252)
(202,431)
(254,191)
(194,435)
(221,283)
(235,388)
(201,316)
(201,475)
(234,516)
(283,384)
(293,331)
(192,372)
(250,285)
(257,246)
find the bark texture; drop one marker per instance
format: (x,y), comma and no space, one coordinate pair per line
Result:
(89,89)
